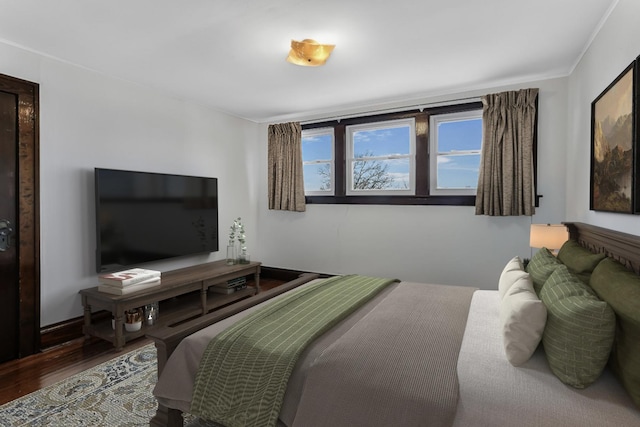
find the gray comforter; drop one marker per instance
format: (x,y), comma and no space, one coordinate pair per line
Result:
(392,362)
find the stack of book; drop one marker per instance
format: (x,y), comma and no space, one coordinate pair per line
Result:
(231,286)
(128,281)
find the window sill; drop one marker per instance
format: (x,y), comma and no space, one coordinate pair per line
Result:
(392,200)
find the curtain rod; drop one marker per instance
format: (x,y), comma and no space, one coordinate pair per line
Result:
(395,110)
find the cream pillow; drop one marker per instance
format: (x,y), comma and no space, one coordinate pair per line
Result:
(511,273)
(522,318)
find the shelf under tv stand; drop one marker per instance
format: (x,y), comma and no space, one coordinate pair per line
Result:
(183,294)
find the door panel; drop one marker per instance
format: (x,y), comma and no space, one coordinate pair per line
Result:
(9,284)
(19,204)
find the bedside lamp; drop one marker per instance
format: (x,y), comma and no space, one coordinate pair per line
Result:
(550,236)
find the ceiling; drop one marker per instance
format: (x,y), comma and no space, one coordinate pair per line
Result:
(230,54)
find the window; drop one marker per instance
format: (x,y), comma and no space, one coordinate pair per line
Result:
(455,147)
(381,158)
(427,157)
(317,161)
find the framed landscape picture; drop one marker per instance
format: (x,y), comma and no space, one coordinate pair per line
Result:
(613,145)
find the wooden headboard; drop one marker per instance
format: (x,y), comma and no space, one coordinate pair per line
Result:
(623,247)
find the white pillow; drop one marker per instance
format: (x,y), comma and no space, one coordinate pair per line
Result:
(522,319)
(510,274)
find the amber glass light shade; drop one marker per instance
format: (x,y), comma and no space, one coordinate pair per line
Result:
(309,53)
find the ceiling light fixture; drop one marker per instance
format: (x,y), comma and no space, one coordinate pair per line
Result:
(309,53)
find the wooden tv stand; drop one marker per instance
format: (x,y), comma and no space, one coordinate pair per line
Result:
(183,294)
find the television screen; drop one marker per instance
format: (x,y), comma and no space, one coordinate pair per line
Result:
(143,217)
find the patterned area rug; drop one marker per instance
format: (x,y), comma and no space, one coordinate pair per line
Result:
(115,393)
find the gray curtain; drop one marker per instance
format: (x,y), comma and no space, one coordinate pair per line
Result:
(506,179)
(286,183)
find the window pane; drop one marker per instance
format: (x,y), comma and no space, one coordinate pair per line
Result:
(458,171)
(317,147)
(393,174)
(460,135)
(317,177)
(382,142)
(317,157)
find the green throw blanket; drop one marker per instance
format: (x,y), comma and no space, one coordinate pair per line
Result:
(244,371)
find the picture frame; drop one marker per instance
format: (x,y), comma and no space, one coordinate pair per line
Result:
(614,152)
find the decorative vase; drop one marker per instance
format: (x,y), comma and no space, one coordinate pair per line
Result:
(231,254)
(238,249)
(243,258)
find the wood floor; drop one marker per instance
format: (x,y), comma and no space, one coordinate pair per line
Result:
(26,375)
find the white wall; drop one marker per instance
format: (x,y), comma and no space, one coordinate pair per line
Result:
(614,48)
(88,120)
(437,244)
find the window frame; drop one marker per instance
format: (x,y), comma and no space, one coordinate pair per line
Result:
(434,120)
(350,130)
(422,172)
(323,131)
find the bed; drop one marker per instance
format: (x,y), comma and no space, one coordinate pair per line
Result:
(425,354)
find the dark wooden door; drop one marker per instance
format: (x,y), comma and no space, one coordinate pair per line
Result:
(9,285)
(19,221)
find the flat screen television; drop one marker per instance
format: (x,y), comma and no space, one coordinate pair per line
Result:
(143,217)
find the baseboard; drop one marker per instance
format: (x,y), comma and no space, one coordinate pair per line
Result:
(67,330)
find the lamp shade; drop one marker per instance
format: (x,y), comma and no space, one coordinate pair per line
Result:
(550,236)
(309,53)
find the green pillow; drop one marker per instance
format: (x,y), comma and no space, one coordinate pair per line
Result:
(542,264)
(620,287)
(579,260)
(580,329)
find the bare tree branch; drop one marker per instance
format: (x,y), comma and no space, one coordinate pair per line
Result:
(367,174)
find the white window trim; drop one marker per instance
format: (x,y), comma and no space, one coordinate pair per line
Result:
(331,161)
(350,130)
(434,120)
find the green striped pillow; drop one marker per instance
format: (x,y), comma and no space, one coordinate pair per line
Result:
(620,287)
(542,264)
(579,332)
